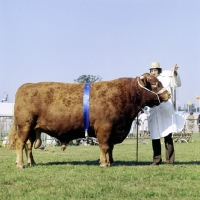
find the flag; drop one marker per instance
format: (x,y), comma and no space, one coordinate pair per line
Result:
(189,103)
(5,97)
(197,98)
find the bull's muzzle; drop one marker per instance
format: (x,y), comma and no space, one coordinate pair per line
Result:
(165,96)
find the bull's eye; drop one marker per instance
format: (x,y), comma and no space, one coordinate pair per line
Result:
(148,79)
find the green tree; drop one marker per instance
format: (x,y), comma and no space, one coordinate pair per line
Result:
(87,79)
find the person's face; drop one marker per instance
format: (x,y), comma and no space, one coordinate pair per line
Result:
(154,72)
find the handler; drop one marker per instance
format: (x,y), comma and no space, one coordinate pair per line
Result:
(162,119)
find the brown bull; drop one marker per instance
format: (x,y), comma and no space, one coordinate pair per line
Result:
(57,109)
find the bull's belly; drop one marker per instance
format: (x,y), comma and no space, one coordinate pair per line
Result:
(118,138)
(66,135)
(58,125)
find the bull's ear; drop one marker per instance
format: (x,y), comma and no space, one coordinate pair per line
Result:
(141,77)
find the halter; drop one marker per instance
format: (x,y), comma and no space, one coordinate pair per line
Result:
(162,90)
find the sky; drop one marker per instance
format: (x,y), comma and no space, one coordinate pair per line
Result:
(59,40)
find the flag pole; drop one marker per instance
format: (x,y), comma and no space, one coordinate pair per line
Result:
(199,106)
(196,108)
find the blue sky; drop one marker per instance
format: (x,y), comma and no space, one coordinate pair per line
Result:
(46,40)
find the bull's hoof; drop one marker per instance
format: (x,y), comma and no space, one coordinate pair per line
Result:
(20,166)
(104,165)
(31,164)
(111,164)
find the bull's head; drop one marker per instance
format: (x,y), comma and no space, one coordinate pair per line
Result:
(151,83)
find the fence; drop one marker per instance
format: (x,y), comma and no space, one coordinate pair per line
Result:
(5,124)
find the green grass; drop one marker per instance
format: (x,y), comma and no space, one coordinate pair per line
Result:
(75,174)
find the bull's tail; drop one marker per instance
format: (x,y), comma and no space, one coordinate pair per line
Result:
(12,137)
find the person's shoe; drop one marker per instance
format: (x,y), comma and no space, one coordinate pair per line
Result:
(156,163)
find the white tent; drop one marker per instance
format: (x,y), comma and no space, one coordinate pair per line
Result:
(6,109)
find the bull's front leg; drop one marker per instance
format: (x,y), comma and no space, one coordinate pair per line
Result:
(109,155)
(103,135)
(103,158)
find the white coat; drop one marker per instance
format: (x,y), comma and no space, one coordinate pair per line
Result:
(162,119)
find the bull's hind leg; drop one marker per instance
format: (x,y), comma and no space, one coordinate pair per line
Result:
(29,154)
(22,136)
(34,136)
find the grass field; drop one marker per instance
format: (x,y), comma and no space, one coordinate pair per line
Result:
(75,174)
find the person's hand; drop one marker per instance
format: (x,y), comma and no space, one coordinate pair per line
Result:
(175,69)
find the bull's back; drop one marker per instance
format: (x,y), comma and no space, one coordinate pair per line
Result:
(49,101)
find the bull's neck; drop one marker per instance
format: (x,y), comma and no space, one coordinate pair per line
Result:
(139,93)
(137,100)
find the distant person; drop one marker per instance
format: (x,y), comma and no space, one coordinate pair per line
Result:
(198,122)
(162,119)
(190,123)
(143,123)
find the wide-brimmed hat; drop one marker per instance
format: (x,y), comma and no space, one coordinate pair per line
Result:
(155,65)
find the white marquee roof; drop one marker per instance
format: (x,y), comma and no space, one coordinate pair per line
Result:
(6,109)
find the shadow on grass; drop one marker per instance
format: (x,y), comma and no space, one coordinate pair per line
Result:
(144,163)
(87,162)
(117,163)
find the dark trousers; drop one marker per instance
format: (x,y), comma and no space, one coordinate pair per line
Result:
(169,149)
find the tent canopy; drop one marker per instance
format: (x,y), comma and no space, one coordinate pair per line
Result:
(6,109)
